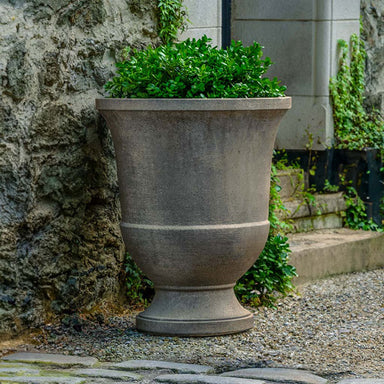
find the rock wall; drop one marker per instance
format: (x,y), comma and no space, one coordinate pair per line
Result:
(372,12)
(60,244)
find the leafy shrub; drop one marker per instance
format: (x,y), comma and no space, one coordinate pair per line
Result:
(355,129)
(194,69)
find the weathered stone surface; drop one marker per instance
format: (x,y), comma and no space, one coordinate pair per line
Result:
(107,373)
(50,358)
(373,35)
(361,381)
(204,379)
(42,380)
(278,375)
(291,182)
(153,364)
(60,244)
(25,371)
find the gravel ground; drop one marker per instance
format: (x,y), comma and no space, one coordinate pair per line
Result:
(334,327)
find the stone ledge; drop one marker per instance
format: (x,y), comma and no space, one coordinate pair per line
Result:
(324,253)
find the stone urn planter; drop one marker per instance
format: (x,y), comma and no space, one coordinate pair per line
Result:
(194,178)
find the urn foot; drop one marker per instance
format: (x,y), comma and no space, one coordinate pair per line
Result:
(194,311)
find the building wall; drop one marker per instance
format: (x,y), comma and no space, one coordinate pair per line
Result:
(60,243)
(205,19)
(300,36)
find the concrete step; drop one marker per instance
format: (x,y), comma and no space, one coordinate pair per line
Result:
(322,253)
(324,212)
(291,182)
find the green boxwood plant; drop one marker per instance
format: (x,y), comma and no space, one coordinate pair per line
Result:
(194,69)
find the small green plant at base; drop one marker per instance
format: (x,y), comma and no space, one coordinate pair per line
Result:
(355,215)
(139,287)
(195,69)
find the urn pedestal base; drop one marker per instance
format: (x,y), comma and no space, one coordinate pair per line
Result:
(194,311)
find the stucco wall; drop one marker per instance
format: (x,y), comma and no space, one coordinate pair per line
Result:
(60,244)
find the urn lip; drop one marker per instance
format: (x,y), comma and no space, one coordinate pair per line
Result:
(233,104)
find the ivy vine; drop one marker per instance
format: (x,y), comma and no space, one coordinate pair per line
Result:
(355,128)
(171,18)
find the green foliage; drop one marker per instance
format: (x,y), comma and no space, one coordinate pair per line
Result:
(139,287)
(355,129)
(328,187)
(356,216)
(171,19)
(195,69)
(271,274)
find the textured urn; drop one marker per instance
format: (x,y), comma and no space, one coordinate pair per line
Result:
(194,178)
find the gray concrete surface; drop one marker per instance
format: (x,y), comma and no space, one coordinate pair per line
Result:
(324,253)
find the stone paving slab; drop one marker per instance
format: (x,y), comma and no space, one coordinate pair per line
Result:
(51,359)
(362,381)
(278,375)
(41,380)
(19,370)
(203,379)
(107,373)
(132,365)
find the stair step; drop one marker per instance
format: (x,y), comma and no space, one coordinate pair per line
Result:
(328,252)
(291,182)
(325,212)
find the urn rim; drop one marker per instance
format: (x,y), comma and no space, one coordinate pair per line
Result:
(210,104)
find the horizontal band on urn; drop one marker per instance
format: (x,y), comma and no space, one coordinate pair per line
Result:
(193,227)
(251,104)
(194,288)
(192,321)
